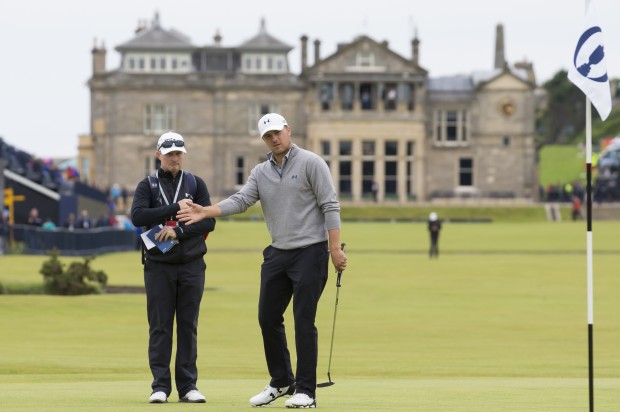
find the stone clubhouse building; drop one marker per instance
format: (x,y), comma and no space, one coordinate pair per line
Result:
(385,127)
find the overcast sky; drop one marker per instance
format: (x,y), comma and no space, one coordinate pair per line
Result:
(46,45)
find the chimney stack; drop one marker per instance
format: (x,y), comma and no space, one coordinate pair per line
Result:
(98,58)
(304,52)
(415,50)
(500,58)
(317,51)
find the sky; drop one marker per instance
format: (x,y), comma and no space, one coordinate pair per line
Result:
(46,45)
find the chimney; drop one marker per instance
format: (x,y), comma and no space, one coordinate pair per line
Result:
(528,67)
(415,50)
(304,52)
(385,44)
(500,58)
(98,58)
(317,51)
(141,26)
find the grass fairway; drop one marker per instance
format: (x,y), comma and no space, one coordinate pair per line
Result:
(498,323)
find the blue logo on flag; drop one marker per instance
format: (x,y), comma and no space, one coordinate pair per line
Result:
(595,57)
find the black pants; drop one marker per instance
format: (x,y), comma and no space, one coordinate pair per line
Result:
(300,274)
(173,289)
(434,250)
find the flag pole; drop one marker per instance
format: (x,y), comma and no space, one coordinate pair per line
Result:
(590,275)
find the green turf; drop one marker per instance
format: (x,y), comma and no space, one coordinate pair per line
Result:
(498,323)
(560,164)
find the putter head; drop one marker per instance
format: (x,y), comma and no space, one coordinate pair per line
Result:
(326,384)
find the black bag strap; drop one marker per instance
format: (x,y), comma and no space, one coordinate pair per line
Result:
(154,186)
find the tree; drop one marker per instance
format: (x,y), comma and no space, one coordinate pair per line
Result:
(564,116)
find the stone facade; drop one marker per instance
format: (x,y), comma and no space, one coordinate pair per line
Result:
(382,124)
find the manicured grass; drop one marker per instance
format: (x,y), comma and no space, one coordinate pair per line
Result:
(560,164)
(498,323)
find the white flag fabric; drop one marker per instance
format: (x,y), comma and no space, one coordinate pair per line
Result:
(588,70)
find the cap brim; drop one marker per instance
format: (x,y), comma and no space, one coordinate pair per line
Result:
(164,150)
(278,128)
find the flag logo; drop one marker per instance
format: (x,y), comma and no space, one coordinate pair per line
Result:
(588,70)
(589,53)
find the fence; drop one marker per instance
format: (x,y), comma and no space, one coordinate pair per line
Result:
(78,242)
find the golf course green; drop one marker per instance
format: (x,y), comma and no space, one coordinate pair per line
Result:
(497,323)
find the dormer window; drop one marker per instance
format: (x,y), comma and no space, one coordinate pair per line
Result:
(264,63)
(156,62)
(365,59)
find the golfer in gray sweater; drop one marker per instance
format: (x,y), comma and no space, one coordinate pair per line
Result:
(302,214)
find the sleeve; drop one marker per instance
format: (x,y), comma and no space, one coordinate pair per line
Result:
(323,187)
(205,225)
(142,214)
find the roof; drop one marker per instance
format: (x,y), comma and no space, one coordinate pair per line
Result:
(467,82)
(264,41)
(157,38)
(459,82)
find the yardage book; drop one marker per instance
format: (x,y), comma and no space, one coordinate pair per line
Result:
(150,242)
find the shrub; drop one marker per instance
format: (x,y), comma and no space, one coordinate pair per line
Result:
(78,279)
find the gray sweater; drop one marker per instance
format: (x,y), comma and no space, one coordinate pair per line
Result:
(299,206)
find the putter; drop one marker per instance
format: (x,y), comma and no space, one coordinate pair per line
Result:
(331,347)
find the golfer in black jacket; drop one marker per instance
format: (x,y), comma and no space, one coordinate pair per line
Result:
(175,280)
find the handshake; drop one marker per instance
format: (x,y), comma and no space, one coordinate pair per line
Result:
(192,212)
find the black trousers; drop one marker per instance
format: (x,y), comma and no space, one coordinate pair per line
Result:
(300,274)
(173,289)
(434,250)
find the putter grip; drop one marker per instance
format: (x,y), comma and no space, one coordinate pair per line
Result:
(342,245)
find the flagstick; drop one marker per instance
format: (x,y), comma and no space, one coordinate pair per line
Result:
(589,251)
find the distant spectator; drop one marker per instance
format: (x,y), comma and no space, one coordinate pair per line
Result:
(72,174)
(4,230)
(391,99)
(33,217)
(106,220)
(128,225)
(124,195)
(111,203)
(115,192)
(49,224)
(576,208)
(71,222)
(375,190)
(84,222)
(434,227)
(366,103)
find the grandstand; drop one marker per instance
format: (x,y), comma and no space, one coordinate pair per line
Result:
(27,183)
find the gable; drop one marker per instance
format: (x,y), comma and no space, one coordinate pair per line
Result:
(365,55)
(506,81)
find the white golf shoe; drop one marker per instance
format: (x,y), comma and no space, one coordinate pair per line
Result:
(193,396)
(158,397)
(300,400)
(270,394)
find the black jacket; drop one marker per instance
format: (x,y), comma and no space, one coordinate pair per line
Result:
(145,214)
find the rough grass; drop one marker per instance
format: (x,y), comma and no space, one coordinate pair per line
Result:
(498,323)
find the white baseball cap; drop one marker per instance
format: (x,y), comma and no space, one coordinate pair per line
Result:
(432,217)
(271,121)
(171,142)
